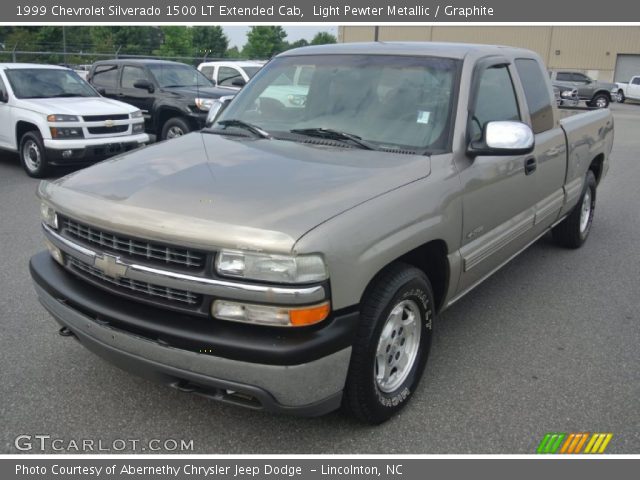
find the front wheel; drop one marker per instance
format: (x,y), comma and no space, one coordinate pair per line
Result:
(621,97)
(174,127)
(33,156)
(573,231)
(599,101)
(392,344)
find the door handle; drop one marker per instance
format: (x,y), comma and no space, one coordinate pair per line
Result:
(530,166)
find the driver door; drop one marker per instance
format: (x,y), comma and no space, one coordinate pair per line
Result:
(499,191)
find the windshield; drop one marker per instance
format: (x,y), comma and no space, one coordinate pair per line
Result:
(387,101)
(177,75)
(251,71)
(48,83)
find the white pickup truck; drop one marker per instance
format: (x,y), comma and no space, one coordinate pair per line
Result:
(629,90)
(51,116)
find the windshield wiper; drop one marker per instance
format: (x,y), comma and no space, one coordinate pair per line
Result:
(331,134)
(247,126)
(61,95)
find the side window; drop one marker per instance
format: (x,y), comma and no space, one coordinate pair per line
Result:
(105,76)
(564,77)
(536,94)
(130,75)
(496,100)
(3,89)
(636,81)
(578,77)
(207,72)
(226,75)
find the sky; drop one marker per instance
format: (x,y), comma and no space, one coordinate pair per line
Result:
(238,34)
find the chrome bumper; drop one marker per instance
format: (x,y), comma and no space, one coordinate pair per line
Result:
(312,388)
(207,286)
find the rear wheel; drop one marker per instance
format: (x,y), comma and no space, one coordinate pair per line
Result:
(392,344)
(174,127)
(33,156)
(573,231)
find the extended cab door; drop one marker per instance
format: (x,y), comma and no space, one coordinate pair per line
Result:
(499,192)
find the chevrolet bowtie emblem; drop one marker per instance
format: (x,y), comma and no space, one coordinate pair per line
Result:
(109,123)
(110,266)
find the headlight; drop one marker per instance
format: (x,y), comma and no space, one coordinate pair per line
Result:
(566,94)
(271,268)
(138,128)
(136,114)
(48,215)
(204,104)
(61,118)
(66,132)
(297,100)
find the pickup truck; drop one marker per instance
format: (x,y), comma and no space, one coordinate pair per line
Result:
(52,117)
(230,74)
(296,259)
(174,97)
(629,90)
(594,93)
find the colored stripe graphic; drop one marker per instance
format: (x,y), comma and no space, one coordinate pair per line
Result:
(572,443)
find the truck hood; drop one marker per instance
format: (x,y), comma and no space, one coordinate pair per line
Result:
(210,190)
(77,106)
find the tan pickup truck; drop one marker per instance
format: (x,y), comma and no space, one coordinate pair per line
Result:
(295,258)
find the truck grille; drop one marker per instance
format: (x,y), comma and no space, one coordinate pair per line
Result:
(135,287)
(133,248)
(106,130)
(103,118)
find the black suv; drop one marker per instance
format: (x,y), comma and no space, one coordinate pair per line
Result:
(174,97)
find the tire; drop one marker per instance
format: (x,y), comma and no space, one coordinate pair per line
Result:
(174,127)
(33,155)
(374,395)
(621,97)
(599,101)
(573,231)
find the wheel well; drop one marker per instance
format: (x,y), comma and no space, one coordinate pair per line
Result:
(431,258)
(602,92)
(166,114)
(23,127)
(596,167)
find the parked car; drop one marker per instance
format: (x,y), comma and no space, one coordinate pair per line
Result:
(594,93)
(51,116)
(297,259)
(566,96)
(629,90)
(230,74)
(173,97)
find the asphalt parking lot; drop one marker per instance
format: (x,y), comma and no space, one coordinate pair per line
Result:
(548,344)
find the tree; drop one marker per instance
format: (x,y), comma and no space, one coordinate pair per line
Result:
(211,40)
(322,38)
(233,52)
(299,43)
(264,42)
(177,41)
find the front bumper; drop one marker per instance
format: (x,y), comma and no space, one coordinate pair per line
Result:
(301,372)
(91,150)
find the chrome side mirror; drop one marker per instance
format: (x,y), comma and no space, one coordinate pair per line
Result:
(218,105)
(504,138)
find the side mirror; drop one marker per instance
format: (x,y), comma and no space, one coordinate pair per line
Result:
(503,138)
(144,85)
(213,82)
(4,96)
(238,82)
(219,104)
